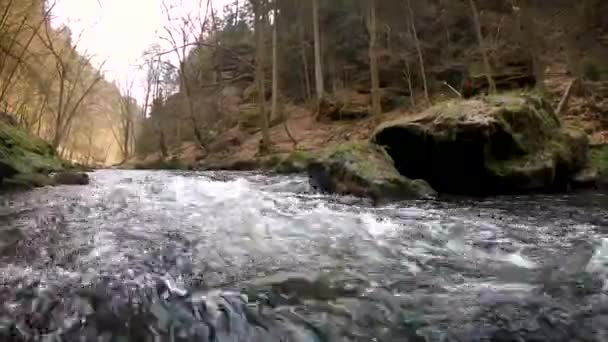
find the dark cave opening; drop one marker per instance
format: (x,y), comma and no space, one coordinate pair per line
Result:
(450,165)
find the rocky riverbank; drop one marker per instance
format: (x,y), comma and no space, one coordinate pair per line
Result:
(504,144)
(27,161)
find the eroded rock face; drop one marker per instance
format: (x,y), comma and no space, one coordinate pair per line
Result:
(491,145)
(364,170)
(71,178)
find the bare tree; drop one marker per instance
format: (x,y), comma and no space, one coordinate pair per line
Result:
(74,83)
(317,42)
(13,54)
(259,6)
(128,111)
(529,39)
(180,32)
(482,47)
(372,27)
(275,62)
(414,33)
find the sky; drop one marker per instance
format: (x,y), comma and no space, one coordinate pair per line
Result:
(118,31)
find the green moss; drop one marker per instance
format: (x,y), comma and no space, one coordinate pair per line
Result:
(296,161)
(364,159)
(249,117)
(599,158)
(14,136)
(366,170)
(511,140)
(26,153)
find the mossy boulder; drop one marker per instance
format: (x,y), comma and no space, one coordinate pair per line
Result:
(295,162)
(509,143)
(21,153)
(364,170)
(599,161)
(26,181)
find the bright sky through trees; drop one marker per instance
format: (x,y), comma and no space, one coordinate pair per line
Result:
(118,31)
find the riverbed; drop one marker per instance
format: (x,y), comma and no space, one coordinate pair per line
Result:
(229,256)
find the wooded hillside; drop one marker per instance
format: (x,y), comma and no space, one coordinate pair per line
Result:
(243,70)
(52,88)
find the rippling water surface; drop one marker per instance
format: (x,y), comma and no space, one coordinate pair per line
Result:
(165,256)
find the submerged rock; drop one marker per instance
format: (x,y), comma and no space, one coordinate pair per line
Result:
(364,170)
(490,145)
(71,178)
(9,238)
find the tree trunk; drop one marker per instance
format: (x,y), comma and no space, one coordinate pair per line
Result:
(482,47)
(530,40)
(563,103)
(127,137)
(258,8)
(198,135)
(317,41)
(162,144)
(373,59)
(275,63)
(306,71)
(410,85)
(419,51)
(58,119)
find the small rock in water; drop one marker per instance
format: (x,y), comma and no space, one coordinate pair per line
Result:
(71,178)
(9,238)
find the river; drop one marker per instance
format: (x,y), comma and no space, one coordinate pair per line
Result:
(221,256)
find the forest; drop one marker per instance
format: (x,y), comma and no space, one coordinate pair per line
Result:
(50,87)
(264,77)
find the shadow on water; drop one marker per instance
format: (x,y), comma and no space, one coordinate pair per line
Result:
(160,256)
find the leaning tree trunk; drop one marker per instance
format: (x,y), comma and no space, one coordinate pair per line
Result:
(414,32)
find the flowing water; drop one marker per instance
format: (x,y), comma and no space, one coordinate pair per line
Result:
(169,256)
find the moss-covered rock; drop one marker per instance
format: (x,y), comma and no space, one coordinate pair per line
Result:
(295,162)
(26,181)
(363,170)
(599,161)
(496,144)
(23,154)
